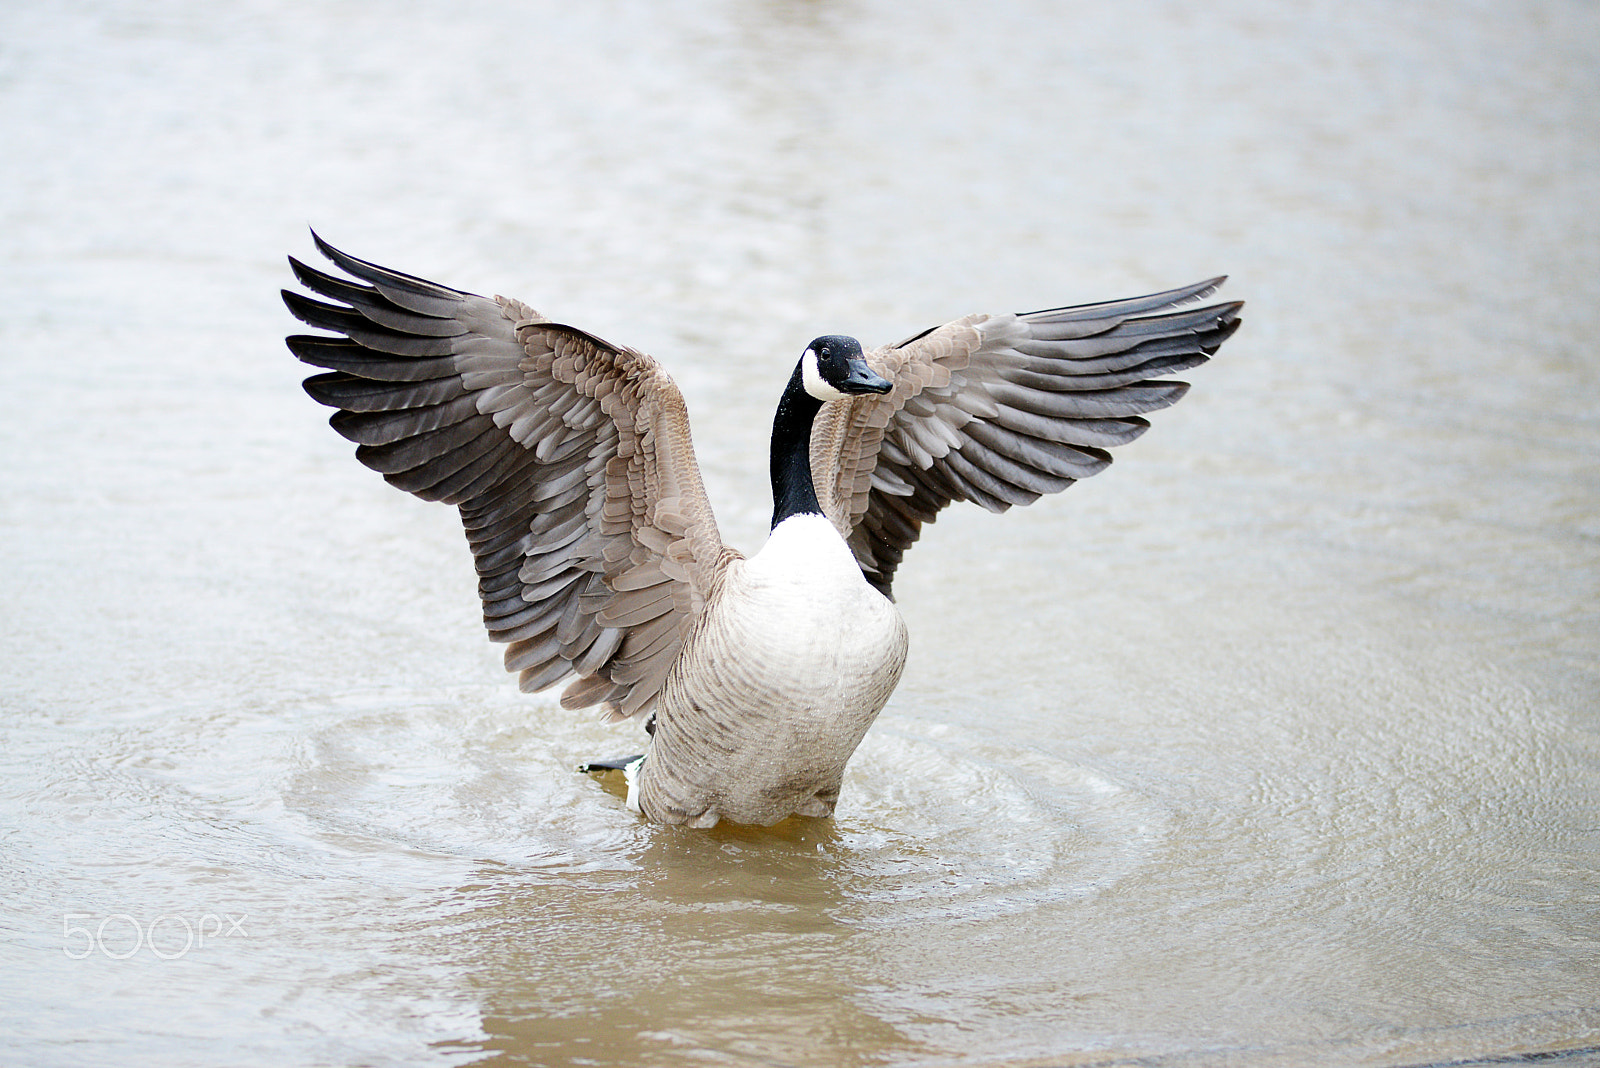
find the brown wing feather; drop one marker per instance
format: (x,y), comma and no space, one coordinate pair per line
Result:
(568,457)
(999,410)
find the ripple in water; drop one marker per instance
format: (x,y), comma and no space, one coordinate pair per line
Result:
(935,820)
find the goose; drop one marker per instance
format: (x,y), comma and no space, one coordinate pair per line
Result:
(598,557)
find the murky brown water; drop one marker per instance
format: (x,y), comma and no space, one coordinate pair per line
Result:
(1278,744)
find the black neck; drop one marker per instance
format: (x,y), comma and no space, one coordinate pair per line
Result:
(792,490)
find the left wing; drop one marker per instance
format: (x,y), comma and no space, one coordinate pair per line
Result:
(999,410)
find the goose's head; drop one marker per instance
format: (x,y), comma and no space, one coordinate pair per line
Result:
(832,367)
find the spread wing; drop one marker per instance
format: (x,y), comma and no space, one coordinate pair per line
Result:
(569,459)
(999,410)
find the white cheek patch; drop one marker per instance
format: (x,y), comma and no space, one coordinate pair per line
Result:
(811,378)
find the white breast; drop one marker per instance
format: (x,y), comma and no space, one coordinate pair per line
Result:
(788,669)
(810,632)
(806,560)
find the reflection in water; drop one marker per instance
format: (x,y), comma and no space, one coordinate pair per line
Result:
(727,946)
(1274,745)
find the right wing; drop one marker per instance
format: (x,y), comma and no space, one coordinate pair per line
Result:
(568,457)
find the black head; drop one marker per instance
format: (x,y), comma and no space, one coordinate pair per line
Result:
(832,367)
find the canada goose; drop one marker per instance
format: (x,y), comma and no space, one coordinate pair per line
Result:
(597,553)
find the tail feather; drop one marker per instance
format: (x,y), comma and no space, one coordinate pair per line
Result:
(629,766)
(615,764)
